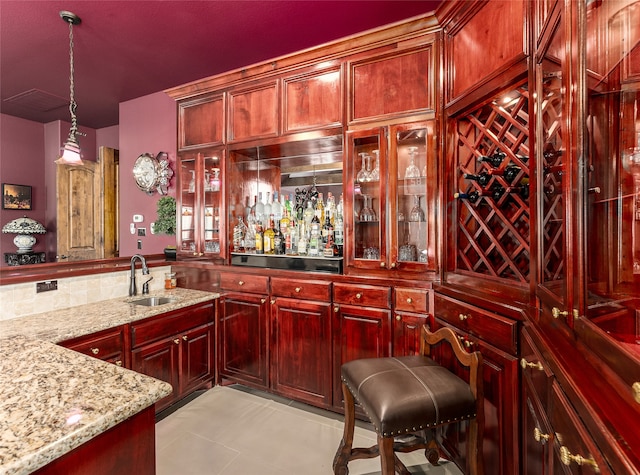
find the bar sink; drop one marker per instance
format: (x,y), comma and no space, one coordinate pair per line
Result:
(152,301)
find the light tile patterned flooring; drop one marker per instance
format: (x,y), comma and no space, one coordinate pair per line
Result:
(233,430)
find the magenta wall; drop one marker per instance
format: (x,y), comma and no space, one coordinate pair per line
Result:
(21,163)
(147,125)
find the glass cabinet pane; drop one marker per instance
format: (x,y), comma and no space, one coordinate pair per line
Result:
(410,220)
(367,198)
(212,180)
(189,205)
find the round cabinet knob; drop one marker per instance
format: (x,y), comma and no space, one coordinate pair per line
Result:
(398,317)
(463,317)
(358,295)
(567,457)
(525,364)
(241,282)
(409,300)
(118,363)
(393,265)
(382,264)
(177,341)
(540,436)
(298,290)
(95,351)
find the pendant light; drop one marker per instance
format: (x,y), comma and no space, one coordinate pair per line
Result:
(70,151)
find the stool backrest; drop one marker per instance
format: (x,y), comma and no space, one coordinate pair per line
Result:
(471,360)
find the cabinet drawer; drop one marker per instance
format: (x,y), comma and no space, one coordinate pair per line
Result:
(411,300)
(301,289)
(495,329)
(256,284)
(100,345)
(365,295)
(170,324)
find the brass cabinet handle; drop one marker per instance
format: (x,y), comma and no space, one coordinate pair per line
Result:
(468,343)
(358,295)
(393,265)
(540,436)
(298,290)
(336,309)
(195,253)
(409,300)
(273,301)
(95,351)
(382,264)
(263,300)
(118,363)
(241,282)
(398,317)
(635,387)
(567,457)
(177,341)
(555,311)
(463,317)
(525,364)
(185,337)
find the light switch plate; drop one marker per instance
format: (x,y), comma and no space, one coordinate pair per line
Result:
(138,218)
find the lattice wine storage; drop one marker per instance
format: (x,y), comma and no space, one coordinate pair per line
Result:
(493,219)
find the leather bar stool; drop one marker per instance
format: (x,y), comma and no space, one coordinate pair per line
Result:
(407,398)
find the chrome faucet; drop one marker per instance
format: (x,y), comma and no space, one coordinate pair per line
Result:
(132,280)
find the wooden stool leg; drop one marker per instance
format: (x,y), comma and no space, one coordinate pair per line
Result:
(341,459)
(387,456)
(475,463)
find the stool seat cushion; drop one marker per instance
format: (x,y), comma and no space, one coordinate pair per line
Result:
(408,393)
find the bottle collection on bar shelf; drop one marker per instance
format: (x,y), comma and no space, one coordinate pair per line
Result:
(509,175)
(316,230)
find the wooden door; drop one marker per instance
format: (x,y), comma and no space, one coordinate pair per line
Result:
(197,358)
(159,360)
(301,354)
(87,208)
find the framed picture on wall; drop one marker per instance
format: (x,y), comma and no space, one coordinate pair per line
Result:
(16,196)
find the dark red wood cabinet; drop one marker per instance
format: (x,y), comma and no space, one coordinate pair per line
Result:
(177,347)
(108,345)
(243,329)
(410,314)
(301,340)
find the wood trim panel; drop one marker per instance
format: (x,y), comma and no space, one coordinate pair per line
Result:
(201,122)
(253,112)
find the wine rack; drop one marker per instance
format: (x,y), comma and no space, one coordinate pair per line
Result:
(493,219)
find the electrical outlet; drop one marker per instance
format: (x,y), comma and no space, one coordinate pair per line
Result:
(46,286)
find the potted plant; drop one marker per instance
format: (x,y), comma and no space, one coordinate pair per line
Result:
(166,223)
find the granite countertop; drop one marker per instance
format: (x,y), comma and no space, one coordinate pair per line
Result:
(52,399)
(67,323)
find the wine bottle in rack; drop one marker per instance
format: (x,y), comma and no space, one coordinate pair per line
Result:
(471,197)
(557,169)
(483,178)
(495,160)
(509,174)
(498,191)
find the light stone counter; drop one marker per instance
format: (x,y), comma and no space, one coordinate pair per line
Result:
(52,399)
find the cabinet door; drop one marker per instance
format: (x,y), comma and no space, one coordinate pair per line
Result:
(313,100)
(201,122)
(358,332)
(501,411)
(365,211)
(243,350)
(253,112)
(160,360)
(301,354)
(197,358)
(407,328)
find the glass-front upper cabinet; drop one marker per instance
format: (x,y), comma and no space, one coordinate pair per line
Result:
(200,202)
(391,177)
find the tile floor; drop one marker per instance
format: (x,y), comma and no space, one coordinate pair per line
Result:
(234,430)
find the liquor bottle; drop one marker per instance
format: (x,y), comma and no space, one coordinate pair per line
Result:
(260,209)
(495,160)
(327,230)
(268,238)
(329,248)
(238,236)
(302,245)
(247,207)
(284,221)
(308,214)
(330,208)
(276,207)
(340,207)
(319,211)
(338,232)
(267,206)
(483,178)
(287,205)
(291,239)
(314,237)
(278,240)
(259,239)
(472,196)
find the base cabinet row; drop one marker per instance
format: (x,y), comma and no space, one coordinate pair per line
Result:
(176,347)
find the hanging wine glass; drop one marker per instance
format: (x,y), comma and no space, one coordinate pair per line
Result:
(416,214)
(362,174)
(369,176)
(375,173)
(412,177)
